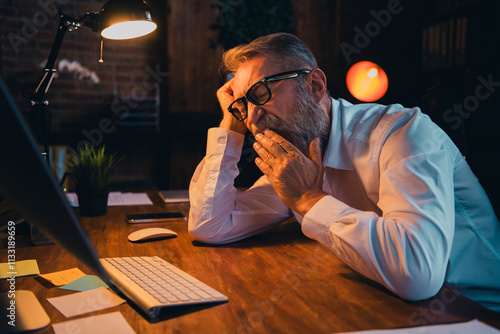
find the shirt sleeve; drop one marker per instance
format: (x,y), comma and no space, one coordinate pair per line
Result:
(407,248)
(221,214)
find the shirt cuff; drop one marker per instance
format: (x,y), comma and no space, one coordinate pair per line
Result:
(224,142)
(317,221)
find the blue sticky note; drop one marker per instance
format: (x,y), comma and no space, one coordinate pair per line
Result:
(87,282)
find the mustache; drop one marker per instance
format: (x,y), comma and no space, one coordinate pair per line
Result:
(272,122)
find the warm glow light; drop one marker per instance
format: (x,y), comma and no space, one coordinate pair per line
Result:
(129,29)
(367,81)
(372,73)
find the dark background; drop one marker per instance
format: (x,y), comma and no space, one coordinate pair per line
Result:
(437,54)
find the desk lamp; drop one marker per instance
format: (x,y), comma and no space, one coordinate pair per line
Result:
(117,19)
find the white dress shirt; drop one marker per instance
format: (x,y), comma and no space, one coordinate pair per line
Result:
(404,208)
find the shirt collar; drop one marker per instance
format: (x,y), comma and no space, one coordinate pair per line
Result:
(336,155)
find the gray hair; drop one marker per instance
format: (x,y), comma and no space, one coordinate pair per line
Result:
(287,51)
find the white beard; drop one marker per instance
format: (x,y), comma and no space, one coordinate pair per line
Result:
(309,122)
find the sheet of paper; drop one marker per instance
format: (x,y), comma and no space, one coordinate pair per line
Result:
(117,199)
(111,323)
(18,269)
(174,196)
(85,283)
(63,277)
(473,326)
(85,302)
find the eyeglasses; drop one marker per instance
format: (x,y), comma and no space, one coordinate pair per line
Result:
(259,93)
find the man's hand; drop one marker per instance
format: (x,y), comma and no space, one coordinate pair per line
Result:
(229,122)
(297,179)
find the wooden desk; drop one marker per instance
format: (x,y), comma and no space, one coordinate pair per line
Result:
(276,282)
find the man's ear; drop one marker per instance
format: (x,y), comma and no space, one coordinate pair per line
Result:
(317,81)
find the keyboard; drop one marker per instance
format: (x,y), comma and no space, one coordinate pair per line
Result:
(153,283)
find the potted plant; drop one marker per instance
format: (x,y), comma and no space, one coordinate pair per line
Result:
(89,168)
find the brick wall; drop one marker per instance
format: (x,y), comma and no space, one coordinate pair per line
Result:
(79,106)
(27,31)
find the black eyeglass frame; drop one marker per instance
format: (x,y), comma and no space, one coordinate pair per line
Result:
(271,78)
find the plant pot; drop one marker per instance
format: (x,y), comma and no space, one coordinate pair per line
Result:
(93,203)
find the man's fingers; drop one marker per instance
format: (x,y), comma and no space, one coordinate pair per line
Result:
(274,143)
(315,151)
(263,153)
(283,143)
(225,95)
(264,167)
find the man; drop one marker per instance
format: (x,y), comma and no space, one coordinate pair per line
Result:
(381,186)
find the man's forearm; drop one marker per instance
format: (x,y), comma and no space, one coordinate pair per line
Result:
(218,213)
(211,190)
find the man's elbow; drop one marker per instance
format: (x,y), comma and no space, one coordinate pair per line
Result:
(418,286)
(202,230)
(200,234)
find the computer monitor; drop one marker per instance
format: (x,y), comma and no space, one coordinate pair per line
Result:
(29,185)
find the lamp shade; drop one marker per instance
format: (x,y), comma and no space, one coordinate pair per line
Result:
(124,19)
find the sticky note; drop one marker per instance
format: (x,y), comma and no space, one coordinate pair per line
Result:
(63,277)
(113,322)
(18,269)
(87,282)
(85,302)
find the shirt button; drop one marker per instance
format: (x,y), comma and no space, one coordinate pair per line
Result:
(221,140)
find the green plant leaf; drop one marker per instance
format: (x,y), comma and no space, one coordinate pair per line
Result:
(90,167)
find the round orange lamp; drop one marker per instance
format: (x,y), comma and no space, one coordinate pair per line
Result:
(367,81)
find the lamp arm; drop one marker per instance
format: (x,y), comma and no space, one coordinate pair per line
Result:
(39,116)
(65,23)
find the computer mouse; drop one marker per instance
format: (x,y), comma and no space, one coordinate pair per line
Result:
(152,233)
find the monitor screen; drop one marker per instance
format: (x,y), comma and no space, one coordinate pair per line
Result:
(29,185)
